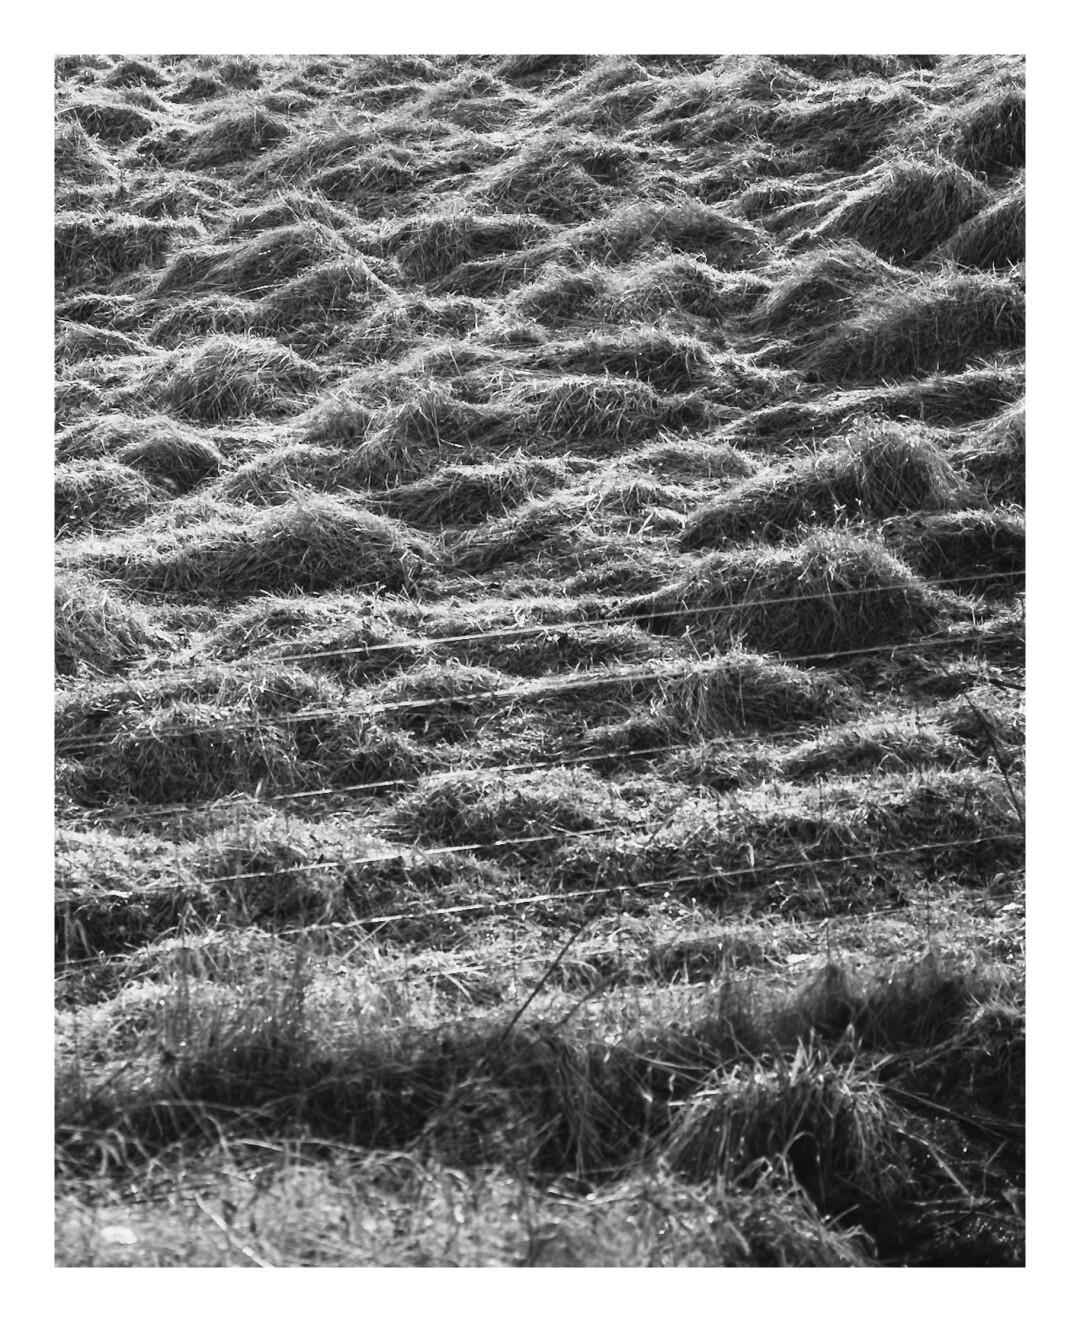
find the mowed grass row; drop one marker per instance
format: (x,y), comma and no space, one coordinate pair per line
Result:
(540,656)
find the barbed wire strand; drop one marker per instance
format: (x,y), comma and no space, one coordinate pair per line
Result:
(614,619)
(75,743)
(490,906)
(126,812)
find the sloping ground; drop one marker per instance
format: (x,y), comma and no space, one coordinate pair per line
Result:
(539,637)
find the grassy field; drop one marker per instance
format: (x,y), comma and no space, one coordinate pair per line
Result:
(540,660)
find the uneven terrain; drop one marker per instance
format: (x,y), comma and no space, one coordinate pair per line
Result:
(540,660)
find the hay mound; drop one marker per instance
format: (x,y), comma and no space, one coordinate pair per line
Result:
(232,138)
(881,469)
(91,249)
(669,363)
(176,459)
(743,690)
(110,121)
(96,629)
(231,376)
(822,285)
(312,545)
(831,592)
(992,239)
(460,496)
(99,495)
(431,246)
(483,807)
(78,159)
(941,324)
(905,209)
(978,545)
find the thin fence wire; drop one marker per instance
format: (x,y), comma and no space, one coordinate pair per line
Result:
(807,733)
(614,618)
(411,854)
(559,686)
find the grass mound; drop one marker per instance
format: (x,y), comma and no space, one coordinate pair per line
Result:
(175,459)
(312,545)
(905,209)
(95,628)
(109,121)
(821,284)
(78,159)
(989,135)
(831,592)
(75,342)
(481,808)
(742,689)
(92,250)
(99,495)
(833,1128)
(234,138)
(192,319)
(866,748)
(878,471)
(983,546)
(458,495)
(993,239)
(669,363)
(231,376)
(941,324)
(328,292)
(994,455)
(432,246)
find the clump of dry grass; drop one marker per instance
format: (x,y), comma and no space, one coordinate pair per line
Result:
(995,455)
(432,245)
(905,208)
(398,323)
(254,264)
(439,701)
(669,363)
(285,473)
(313,544)
(692,459)
(95,628)
(76,342)
(545,179)
(231,376)
(78,159)
(92,249)
(105,434)
(99,495)
(483,807)
(231,138)
(192,319)
(659,286)
(989,133)
(110,121)
(830,592)
(874,747)
(683,226)
(178,460)
(992,239)
(879,470)
(330,291)
(986,547)
(941,324)
(135,73)
(821,285)
(456,495)
(741,689)
(830,1127)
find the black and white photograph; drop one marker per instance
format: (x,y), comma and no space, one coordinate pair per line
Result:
(540,675)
